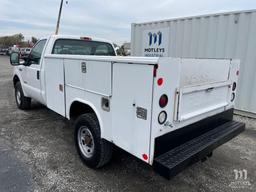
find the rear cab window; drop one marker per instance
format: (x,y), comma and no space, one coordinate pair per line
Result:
(82,47)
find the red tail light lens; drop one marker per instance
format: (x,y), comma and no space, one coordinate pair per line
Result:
(163,101)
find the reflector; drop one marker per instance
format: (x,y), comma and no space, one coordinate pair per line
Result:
(160,81)
(162,117)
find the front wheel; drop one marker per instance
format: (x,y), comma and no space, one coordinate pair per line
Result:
(21,101)
(93,150)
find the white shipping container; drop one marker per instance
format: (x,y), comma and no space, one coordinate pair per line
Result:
(222,35)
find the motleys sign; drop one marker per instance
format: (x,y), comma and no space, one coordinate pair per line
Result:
(155,42)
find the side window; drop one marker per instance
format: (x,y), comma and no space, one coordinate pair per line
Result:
(36,52)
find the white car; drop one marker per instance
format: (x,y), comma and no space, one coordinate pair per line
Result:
(168,112)
(3,51)
(24,52)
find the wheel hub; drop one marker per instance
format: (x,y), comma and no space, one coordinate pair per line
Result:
(86,141)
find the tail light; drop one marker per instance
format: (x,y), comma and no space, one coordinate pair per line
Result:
(163,101)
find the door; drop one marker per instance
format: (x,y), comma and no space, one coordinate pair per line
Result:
(198,100)
(54,85)
(204,87)
(131,108)
(32,77)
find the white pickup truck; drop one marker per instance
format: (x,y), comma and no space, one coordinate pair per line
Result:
(168,112)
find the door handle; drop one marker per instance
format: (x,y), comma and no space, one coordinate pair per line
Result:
(83,67)
(209,89)
(37,75)
(20,69)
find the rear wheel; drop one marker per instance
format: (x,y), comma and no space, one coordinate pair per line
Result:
(93,150)
(21,101)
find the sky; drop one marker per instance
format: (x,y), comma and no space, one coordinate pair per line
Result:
(109,19)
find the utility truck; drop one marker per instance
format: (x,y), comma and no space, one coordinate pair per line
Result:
(168,112)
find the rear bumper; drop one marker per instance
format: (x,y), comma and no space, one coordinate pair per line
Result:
(177,158)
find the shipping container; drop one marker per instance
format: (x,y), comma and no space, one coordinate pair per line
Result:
(223,35)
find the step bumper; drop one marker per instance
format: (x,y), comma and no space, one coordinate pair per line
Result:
(177,159)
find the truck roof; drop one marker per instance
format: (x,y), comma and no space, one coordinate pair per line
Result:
(77,37)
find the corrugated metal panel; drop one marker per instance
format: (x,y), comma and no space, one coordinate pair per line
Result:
(227,35)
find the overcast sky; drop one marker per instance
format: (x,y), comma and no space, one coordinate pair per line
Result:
(109,19)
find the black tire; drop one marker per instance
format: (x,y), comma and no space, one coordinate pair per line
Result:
(23,102)
(102,150)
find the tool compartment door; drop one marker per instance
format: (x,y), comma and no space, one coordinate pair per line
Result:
(204,87)
(131,107)
(89,76)
(195,101)
(54,85)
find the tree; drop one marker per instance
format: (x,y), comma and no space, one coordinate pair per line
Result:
(121,51)
(17,38)
(7,41)
(34,40)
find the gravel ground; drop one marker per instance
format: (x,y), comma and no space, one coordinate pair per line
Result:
(37,153)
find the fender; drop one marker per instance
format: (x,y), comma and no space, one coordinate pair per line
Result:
(91,105)
(19,76)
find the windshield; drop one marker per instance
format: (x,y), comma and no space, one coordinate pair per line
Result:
(82,47)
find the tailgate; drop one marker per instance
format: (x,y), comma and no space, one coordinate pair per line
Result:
(204,87)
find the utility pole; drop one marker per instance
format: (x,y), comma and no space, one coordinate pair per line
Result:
(58,22)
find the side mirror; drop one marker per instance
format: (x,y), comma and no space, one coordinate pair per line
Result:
(15,59)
